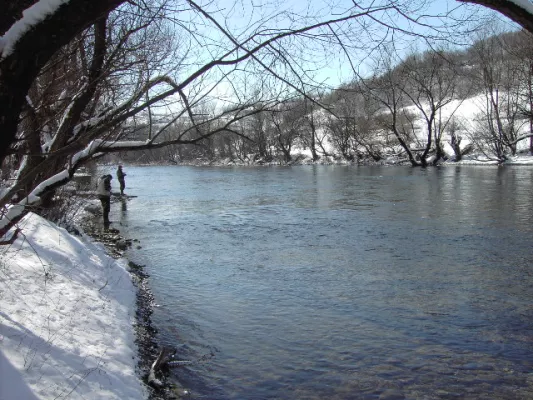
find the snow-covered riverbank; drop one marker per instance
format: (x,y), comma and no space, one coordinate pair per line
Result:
(66,318)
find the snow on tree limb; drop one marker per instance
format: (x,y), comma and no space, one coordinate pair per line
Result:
(30,17)
(16,211)
(30,43)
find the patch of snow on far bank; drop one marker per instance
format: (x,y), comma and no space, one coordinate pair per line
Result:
(66,320)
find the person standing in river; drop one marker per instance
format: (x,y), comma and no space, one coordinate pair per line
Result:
(120,177)
(104,194)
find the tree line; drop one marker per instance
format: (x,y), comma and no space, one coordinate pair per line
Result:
(395,111)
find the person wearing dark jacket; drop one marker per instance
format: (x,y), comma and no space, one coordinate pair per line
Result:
(120,177)
(104,194)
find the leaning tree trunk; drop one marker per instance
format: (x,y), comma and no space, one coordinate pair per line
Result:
(510,9)
(19,66)
(530,86)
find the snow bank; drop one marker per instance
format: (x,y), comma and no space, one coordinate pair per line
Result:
(66,317)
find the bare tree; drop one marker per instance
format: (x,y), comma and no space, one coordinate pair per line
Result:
(286,123)
(310,125)
(388,88)
(431,82)
(28,45)
(520,47)
(520,12)
(501,119)
(454,128)
(356,116)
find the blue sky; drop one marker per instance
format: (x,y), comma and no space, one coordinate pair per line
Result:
(329,64)
(451,32)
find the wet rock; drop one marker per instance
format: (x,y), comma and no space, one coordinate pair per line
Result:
(122,244)
(180,392)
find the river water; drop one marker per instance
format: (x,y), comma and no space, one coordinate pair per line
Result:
(340,282)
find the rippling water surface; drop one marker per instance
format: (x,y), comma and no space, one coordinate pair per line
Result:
(336,282)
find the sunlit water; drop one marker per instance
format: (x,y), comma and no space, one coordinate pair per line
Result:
(336,282)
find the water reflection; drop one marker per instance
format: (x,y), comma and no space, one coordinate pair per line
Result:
(123,206)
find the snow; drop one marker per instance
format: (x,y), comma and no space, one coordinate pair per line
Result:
(30,17)
(126,143)
(13,211)
(60,176)
(66,320)
(87,151)
(85,125)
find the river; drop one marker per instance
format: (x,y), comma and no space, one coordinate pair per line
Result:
(339,282)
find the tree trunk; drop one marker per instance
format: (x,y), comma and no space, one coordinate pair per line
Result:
(508,8)
(455,143)
(530,85)
(32,51)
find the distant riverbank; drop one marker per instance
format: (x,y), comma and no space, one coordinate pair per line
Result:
(480,160)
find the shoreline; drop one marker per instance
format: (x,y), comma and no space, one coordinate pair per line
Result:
(145,332)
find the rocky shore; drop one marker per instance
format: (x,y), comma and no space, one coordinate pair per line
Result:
(116,245)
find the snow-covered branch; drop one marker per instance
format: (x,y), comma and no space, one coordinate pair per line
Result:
(15,212)
(30,18)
